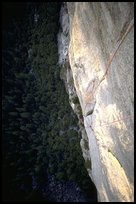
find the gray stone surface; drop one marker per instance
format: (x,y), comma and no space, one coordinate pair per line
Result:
(101,37)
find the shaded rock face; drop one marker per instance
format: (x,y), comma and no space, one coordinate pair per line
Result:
(99,48)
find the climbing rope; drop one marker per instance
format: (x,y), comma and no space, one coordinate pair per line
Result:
(114,121)
(130,26)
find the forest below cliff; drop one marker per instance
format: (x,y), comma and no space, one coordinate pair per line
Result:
(40,132)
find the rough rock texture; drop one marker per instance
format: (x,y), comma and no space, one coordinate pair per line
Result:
(101,56)
(67,76)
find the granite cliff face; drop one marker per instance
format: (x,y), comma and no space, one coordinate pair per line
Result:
(96,52)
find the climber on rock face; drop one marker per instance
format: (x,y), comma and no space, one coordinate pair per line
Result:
(81,119)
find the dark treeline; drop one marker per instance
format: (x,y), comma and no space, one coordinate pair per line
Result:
(39,128)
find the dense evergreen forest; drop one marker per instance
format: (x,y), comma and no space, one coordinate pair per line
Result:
(40,133)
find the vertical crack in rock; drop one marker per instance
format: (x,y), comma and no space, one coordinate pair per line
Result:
(67,76)
(117,178)
(90,34)
(119,42)
(110,152)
